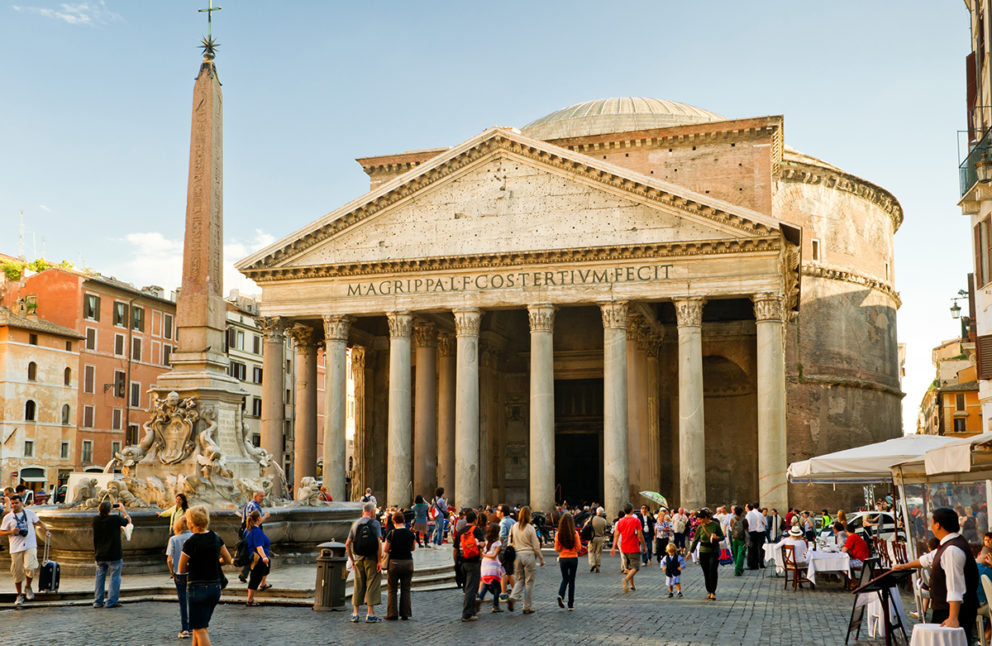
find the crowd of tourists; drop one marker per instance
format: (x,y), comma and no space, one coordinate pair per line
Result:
(496,551)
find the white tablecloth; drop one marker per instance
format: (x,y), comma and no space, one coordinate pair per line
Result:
(820,561)
(937,635)
(773,551)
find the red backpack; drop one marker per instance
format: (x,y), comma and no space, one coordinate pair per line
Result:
(469,544)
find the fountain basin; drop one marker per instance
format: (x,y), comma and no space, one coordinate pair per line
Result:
(295,533)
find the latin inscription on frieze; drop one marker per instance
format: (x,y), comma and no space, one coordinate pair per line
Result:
(490,281)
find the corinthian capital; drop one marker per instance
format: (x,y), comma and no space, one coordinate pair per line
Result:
(446,344)
(768,306)
(614,314)
(542,317)
(467,321)
(273,327)
(304,336)
(336,327)
(689,311)
(400,324)
(425,334)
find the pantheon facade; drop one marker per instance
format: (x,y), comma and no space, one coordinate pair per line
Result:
(627,294)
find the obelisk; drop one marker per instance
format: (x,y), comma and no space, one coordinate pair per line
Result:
(200,364)
(200,309)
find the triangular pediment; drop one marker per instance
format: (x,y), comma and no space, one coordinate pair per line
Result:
(503,193)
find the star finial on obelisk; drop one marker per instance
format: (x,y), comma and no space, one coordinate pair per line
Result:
(208,45)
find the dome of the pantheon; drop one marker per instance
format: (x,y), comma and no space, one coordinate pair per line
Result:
(617,114)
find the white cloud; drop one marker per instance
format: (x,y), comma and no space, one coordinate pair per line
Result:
(44,208)
(74,13)
(154,259)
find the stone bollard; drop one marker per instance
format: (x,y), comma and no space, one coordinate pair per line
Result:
(331,575)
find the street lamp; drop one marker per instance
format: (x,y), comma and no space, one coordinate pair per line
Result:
(956,312)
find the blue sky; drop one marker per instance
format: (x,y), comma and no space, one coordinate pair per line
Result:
(95,100)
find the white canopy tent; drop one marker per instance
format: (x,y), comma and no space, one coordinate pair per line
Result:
(867,464)
(967,459)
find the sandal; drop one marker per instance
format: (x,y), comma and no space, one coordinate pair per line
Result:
(252,604)
(263,588)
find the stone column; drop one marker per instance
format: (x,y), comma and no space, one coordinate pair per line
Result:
(635,411)
(467,407)
(692,437)
(305,424)
(424,411)
(652,446)
(336,329)
(359,469)
(446,414)
(773,486)
(542,407)
(273,385)
(616,479)
(398,476)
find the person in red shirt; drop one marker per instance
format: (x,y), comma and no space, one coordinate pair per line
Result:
(628,534)
(856,547)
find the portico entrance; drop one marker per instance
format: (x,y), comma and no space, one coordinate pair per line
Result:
(579,441)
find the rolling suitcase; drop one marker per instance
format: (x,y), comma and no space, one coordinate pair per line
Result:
(51,572)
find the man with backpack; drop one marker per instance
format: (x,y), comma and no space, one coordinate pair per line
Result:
(467,544)
(364,550)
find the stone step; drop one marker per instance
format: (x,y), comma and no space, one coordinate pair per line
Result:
(438,578)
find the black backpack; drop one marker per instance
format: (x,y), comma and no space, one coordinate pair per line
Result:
(366,541)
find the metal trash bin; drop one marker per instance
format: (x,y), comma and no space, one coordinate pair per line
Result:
(331,576)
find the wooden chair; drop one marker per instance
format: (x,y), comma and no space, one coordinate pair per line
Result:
(899,550)
(798,569)
(882,551)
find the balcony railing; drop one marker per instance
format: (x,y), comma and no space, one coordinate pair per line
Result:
(968,170)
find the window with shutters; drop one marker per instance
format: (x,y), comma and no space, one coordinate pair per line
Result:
(91,307)
(131,435)
(120,383)
(167,326)
(116,419)
(135,394)
(138,318)
(89,378)
(983,350)
(136,349)
(119,345)
(87,417)
(959,425)
(256,344)
(87,451)
(91,338)
(166,355)
(959,401)
(120,314)
(982,242)
(64,450)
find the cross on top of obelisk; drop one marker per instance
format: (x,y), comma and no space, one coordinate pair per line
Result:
(209,46)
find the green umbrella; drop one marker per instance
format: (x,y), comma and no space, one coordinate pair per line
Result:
(655,497)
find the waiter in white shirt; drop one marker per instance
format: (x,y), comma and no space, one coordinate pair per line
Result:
(953,574)
(756,528)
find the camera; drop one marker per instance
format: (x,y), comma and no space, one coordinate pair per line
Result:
(22,533)
(117,505)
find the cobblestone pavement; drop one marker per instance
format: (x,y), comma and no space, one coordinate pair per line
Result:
(753,609)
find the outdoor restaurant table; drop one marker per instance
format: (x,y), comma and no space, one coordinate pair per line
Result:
(774,551)
(937,635)
(822,561)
